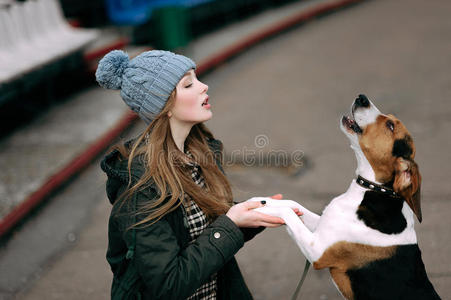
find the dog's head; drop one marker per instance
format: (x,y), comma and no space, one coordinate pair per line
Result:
(384,149)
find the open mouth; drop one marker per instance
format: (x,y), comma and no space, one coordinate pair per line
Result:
(351,124)
(205,102)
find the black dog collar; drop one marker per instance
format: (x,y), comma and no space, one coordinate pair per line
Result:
(376,187)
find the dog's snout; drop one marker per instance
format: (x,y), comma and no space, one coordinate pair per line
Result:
(362,101)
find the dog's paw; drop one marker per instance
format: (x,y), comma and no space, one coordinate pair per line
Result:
(259,199)
(284,203)
(273,203)
(280,212)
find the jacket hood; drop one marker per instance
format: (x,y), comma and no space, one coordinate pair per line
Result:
(116,168)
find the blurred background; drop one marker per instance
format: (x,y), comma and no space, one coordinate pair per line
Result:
(280,74)
(45,42)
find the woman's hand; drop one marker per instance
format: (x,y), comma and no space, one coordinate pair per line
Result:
(244,215)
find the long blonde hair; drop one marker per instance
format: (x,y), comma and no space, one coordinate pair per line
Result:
(166,166)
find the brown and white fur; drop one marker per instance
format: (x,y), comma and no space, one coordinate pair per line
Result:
(366,239)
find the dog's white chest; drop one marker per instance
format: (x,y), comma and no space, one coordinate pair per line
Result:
(340,222)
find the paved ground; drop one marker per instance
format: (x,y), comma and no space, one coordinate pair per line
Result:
(289,93)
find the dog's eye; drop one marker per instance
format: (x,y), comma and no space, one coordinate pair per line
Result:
(390,125)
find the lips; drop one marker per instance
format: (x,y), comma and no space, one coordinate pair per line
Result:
(205,102)
(351,124)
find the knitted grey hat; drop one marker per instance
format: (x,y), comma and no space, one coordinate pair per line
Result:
(145,81)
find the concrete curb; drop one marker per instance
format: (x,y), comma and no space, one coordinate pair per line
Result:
(85,158)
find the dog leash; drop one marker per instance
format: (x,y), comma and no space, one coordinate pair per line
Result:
(301,282)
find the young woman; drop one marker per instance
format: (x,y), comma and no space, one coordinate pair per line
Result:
(173,230)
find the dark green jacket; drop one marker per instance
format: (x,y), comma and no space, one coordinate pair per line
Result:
(157,261)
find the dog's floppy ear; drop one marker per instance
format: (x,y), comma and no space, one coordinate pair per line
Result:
(407,184)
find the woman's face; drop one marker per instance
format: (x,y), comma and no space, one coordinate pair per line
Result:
(191,101)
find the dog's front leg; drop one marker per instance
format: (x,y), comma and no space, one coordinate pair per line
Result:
(309,218)
(303,237)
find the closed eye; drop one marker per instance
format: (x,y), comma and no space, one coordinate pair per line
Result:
(390,125)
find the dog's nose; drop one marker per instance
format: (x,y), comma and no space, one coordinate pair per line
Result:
(362,101)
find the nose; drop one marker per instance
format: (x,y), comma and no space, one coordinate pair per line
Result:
(361,101)
(205,88)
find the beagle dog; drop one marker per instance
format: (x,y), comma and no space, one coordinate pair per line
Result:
(366,236)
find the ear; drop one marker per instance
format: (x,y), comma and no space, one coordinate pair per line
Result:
(169,114)
(407,183)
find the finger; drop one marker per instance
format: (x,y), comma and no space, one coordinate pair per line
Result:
(298,212)
(252,204)
(277,197)
(269,225)
(268,218)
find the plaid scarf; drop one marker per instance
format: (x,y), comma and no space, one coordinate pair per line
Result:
(197,222)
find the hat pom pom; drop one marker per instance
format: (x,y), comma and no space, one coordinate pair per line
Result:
(111,68)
